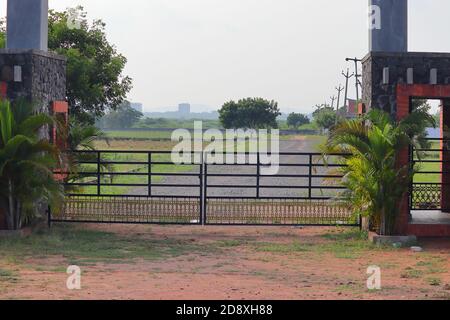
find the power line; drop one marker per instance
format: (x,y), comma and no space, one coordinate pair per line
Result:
(347,76)
(333,99)
(339,90)
(356,74)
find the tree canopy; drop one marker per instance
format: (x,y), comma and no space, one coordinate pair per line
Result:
(249,113)
(27,163)
(95,82)
(94,67)
(2,34)
(324,116)
(296,120)
(123,117)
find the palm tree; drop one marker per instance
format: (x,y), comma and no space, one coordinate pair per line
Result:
(374,181)
(26,163)
(82,137)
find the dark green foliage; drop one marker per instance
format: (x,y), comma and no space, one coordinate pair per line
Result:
(94,67)
(250,113)
(2,34)
(374,181)
(296,120)
(325,117)
(27,161)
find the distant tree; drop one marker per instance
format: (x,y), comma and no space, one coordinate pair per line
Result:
(320,108)
(296,120)
(2,34)
(94,67)
(437,118)
(250,113)
(325,117)
(421,105)
(124,117)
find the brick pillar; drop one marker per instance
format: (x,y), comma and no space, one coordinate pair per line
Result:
(60,110)
(445,155)
(3,90)
(403,110)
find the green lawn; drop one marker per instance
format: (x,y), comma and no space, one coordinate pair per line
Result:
(83,246)
(166,135)
(129,168)
(130,134)
(429,166)
(143,168)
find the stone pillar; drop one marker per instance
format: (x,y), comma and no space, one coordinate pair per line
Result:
(38,76)
(27,69)
(445,155)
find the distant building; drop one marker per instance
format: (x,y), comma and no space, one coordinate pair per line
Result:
(350,111)
(184,108)
(137,106)
(352,108)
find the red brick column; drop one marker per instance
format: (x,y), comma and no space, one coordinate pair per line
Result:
(2,220)
(3,89)
(61,111)
(403,110)
(445,155)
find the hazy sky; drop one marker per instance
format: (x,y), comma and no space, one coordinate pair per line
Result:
(209,51)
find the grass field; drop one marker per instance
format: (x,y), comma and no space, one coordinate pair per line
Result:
(429,166)
(165,135)
(128,168)
(147,145)
(135,145)
(150,135)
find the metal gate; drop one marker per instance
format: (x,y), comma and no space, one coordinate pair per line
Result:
(146,187)
(138,187)
(304,191)
(430,186)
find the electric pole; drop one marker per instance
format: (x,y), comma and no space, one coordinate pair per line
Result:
(339,90)
(347,76)
(333,99)
(357,76)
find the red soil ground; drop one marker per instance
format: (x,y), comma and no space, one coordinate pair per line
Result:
(240,263)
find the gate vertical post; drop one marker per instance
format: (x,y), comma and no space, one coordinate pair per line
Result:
(149,174)
(49,216)
(201,190)
(412,164)
(310,177)
(258,173)
(205,186)
(98,174)
(445,156)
